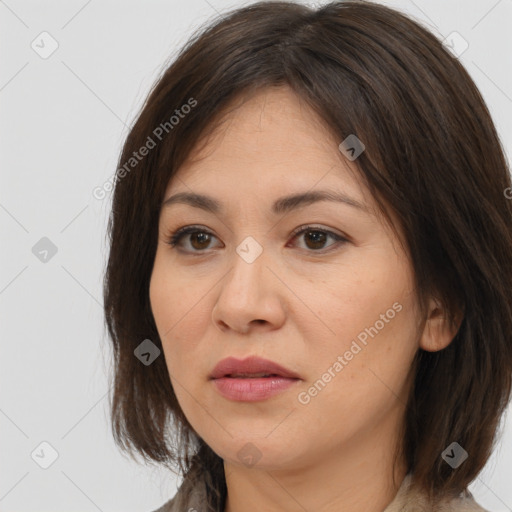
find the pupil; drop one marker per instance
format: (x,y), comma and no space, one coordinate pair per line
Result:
(203,237)
(318,238)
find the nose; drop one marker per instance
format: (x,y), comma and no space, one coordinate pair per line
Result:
(250,297)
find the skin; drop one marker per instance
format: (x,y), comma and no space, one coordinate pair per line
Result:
(300,303)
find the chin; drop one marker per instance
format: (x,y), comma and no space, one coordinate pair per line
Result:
(260,453)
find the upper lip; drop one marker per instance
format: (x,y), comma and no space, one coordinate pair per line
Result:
(250,365)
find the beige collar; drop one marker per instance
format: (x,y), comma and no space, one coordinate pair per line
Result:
(404,501)
(407,500)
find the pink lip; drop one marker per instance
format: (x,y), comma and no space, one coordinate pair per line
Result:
(251,389)
(252,364)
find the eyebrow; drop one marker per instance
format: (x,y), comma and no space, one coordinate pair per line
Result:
(282,205)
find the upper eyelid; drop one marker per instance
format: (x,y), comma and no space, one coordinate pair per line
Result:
(190,229)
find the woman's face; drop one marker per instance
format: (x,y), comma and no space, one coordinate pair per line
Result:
(340,314)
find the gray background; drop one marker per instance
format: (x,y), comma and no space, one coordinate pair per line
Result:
(62,123)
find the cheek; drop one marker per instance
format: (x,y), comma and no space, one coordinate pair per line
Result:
(178,308)
(352,384)
(369,319)
(171,296)
(354,299)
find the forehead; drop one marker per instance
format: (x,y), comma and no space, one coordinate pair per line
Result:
(274,118)
(270,138)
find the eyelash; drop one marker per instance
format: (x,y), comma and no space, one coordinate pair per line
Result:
(174,239)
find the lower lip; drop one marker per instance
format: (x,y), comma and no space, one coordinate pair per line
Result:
(252,389)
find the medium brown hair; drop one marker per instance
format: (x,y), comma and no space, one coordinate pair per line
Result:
(432,154)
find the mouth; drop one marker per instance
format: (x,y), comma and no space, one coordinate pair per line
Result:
(252,388)
(252,379)
(251,375)
(251,368)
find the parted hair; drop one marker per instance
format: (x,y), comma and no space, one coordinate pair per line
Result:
(432,155)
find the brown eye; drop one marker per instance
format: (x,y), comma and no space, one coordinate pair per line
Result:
(316,238)
(199,239)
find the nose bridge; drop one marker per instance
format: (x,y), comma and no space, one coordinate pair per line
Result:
(247,293)
(248,267)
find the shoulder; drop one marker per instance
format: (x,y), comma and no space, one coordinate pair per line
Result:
(189,498)
(464,503)
(407,500)
(459,504)
(192,498)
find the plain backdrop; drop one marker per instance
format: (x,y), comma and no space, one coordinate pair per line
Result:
(63,119)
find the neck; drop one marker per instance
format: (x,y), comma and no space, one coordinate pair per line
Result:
(357,476)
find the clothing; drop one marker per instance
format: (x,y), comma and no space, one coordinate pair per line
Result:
(404,501)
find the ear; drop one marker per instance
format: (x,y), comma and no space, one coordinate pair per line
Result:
(438,331)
